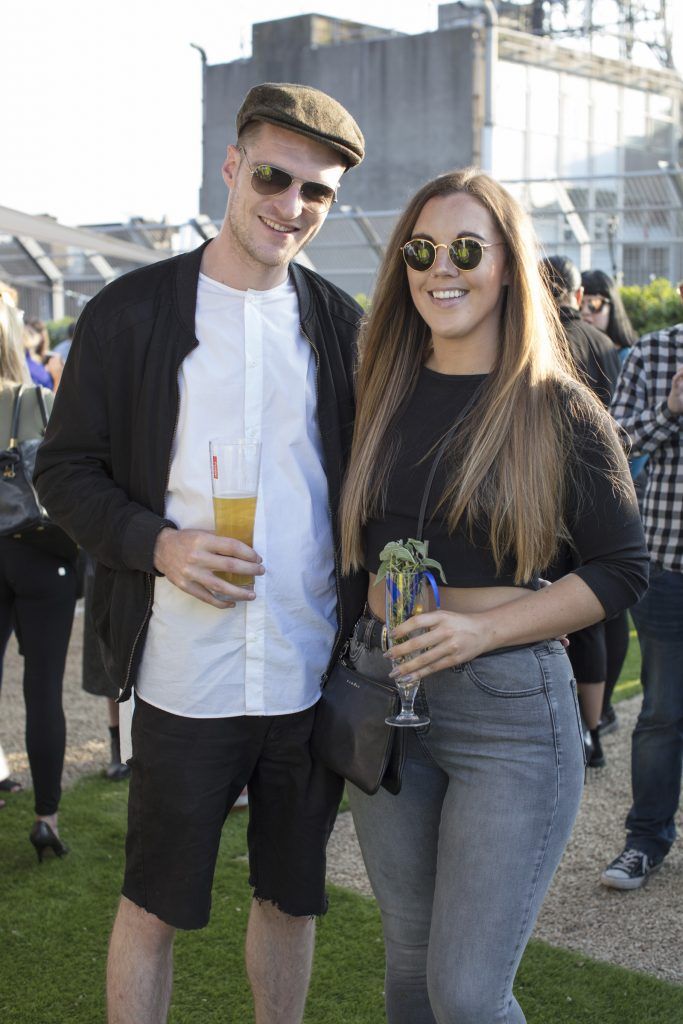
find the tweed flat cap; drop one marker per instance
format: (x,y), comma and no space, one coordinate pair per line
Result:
(308,111)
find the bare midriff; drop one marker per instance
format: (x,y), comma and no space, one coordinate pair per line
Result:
(455,599)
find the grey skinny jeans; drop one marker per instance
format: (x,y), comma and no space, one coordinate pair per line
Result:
(461,859)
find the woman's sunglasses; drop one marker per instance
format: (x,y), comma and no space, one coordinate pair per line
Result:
(464,253)
(268,180)
(594,304)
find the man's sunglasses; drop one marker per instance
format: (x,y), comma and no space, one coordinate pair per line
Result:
(268,180)
(594,304)
(464,253)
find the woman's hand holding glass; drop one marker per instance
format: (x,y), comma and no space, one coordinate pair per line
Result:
(437,640)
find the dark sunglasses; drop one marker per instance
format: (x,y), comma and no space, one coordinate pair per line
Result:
(464,253)
(268,180)
(594,304)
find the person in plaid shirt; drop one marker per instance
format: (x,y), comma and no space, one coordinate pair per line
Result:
(648,404)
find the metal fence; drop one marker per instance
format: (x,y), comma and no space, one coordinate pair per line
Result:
(630,225)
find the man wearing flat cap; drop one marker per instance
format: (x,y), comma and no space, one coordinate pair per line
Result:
(234,341)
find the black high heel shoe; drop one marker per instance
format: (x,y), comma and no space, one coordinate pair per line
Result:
(43,838)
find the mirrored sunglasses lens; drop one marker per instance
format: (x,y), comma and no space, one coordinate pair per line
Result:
(269,181)
(419,254)
(317,194)
(465,253)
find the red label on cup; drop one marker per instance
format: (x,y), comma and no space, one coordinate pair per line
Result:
(215,467)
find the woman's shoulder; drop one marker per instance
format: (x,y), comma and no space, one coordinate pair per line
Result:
(588,430)
(575,402)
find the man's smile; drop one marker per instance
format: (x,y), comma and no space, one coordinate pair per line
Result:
(281,228)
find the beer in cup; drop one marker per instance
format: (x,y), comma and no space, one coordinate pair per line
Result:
(234,482)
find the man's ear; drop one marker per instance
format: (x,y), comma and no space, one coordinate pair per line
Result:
(578,295)
(231,165)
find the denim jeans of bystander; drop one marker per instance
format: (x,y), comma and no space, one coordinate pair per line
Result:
(657,743)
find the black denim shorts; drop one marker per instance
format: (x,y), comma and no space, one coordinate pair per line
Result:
(186,775)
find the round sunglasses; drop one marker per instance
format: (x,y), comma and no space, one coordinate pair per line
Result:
(594,304)
(464,253)
(269,180)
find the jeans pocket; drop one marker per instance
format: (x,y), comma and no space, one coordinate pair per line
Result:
(516,673)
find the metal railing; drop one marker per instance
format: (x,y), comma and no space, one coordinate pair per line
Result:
(630,225)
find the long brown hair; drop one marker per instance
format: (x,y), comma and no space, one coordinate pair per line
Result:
(513,448)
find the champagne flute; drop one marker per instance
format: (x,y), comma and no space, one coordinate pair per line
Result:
(406,594)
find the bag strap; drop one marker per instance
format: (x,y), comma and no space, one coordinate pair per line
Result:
(41,405)
(448,436)
(16,409)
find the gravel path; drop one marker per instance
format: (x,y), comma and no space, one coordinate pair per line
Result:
(642,930)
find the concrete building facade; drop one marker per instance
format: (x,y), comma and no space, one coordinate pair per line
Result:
(590,145)
(375,74)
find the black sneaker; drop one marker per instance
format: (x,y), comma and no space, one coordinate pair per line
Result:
(596,757)
(630,870)
(608,722)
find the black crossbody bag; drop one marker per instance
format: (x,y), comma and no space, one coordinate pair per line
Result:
(350,735)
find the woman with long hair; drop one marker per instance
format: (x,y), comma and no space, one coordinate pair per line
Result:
(37,600)
(461,858)
(603,307)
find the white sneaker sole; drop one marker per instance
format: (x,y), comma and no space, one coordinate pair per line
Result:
(615,882)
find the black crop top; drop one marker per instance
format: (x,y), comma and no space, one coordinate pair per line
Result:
(608,547)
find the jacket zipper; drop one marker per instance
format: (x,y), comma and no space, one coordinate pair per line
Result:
(149,579)
(148,611)
(337,636)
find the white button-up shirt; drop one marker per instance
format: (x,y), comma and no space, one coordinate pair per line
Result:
(252,376)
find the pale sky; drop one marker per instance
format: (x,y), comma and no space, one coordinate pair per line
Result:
(101,101)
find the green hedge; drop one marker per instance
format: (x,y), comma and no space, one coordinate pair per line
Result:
(653,306)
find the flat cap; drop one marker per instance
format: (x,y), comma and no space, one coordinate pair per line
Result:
(308,111)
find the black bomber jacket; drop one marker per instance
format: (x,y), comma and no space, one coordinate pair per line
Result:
(102,471)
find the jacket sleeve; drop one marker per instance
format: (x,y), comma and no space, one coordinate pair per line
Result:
(649,424)
(609,550)
(73,474)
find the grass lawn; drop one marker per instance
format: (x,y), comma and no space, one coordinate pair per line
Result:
(55,921)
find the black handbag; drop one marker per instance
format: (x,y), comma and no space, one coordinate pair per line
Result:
(22,517)
(350,735)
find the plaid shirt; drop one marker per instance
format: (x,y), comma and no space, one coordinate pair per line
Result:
(640,407)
